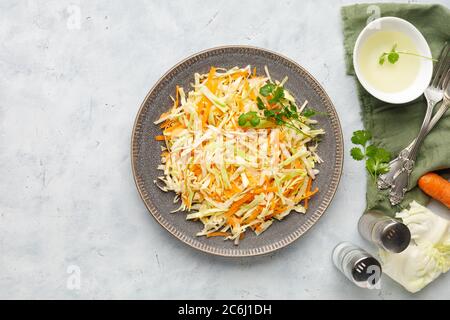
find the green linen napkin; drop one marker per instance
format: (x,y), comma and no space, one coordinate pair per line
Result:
(394,126)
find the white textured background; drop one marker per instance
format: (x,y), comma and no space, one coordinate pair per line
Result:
(68,98)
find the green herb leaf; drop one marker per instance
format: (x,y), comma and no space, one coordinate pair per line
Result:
(371,166)
(383,168)
(242,119)
(371,151)
(308,113)
(293,107)
(277,95)
(361,137)
(279,119)
(382,58)
(377,159)
(375,167)
(357,153)
(260,103)
(269,113)
(255,121)
(382,155)
(393,57)
(267,89)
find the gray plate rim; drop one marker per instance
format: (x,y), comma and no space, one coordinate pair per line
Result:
(288,239)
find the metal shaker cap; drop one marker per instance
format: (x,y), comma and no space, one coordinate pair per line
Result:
(357,264)
(395,237)
(363,269)
(386,232)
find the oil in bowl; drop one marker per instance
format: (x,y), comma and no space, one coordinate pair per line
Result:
(389,77)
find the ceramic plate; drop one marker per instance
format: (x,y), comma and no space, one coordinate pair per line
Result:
(146,151)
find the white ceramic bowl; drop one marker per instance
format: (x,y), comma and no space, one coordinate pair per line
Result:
(426,67)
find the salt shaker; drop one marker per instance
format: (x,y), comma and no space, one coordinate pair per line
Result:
(385,232)
(357,265)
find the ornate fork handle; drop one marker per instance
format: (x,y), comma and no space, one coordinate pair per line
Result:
(387,180)
(401,177)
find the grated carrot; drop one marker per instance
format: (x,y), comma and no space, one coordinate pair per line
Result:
(254,215)
(159,138)
(217,234)
(177,96)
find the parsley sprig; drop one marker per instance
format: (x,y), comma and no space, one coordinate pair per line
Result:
(281,112)
(377,159)
(393,55)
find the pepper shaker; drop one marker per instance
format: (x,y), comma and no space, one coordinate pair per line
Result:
(357,265)
(385,232)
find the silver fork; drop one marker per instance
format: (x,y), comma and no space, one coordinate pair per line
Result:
(437,116)
(386,180)
(401,178)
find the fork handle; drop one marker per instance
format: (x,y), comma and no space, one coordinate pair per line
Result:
(401,177)
(386,180)
(439,114)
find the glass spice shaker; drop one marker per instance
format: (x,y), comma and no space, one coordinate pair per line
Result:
(357,265)
(383,231)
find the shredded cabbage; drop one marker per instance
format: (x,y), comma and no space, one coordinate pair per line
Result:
(231,178)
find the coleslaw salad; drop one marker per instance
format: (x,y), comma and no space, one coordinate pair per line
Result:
(234,175)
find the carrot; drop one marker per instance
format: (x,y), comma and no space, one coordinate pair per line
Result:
(233,221)
(436,187)
(217,234)
(206,114)
(273,204)
(239,74)
(177,96)
(196,169)
(159,138)
(237,204)
(209,82)
(174,130)
(308,188)
(293,188)
(297,164)
(262,189)
(254,215)
(166,124)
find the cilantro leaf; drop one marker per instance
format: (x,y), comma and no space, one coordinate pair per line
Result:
(376,167)
(293,107)
(255,121)
(382,155)
(242,119)
(269,113)
(260,103)
(382,58)
(371,166)
(267,89)
(357,154)
(279,119)
(383,168)
(307,112)
(377,159)
(371,150)
(361,137)
(393,57)
(277,95)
